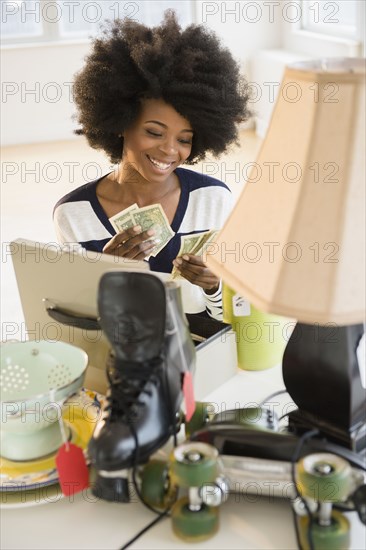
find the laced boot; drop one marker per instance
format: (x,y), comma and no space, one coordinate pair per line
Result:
(152,348)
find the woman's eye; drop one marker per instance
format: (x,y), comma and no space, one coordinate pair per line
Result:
(157,135)
(153,133)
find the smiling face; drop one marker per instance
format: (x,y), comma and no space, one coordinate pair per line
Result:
(158,141)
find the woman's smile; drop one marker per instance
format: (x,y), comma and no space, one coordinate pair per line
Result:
(159,164)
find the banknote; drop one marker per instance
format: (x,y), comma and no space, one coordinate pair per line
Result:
(123,220)
(194,244)
(147,217)
(189,243)
(153,216)
(207,237)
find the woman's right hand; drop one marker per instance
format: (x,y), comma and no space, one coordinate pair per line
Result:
(132,243)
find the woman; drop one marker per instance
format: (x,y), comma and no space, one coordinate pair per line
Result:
(154,99)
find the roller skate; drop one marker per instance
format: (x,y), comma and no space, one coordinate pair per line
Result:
(194,473)
(321,487)
(326,481)
(152,348)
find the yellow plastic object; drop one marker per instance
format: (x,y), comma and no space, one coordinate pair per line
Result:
(261,338)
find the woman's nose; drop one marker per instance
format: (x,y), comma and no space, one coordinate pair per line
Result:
(168,146)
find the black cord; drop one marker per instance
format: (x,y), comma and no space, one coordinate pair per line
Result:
(161,515)
(294,516)
(294,460)
(274,394)
(171,411)
(149,526)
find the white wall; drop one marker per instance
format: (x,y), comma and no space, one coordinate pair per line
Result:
(36,94)
(49,68)
(244,27)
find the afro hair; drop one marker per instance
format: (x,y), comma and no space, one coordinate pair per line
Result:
(188,69)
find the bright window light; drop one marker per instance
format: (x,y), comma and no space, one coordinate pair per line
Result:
(337,18)
(58,20)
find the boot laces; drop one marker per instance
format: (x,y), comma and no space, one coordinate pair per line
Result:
(127,386)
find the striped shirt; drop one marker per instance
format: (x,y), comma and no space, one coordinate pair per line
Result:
(204,204)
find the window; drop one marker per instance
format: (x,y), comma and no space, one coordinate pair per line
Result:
(46,20)
(337,18)
(15,24)
(326,28)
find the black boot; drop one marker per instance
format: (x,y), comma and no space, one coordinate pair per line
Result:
(152,347)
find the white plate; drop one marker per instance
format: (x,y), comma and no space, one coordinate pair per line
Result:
(35,497)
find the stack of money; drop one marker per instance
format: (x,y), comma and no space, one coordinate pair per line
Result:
(194,244)
(152,216)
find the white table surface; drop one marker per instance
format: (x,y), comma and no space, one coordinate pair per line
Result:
(83,521)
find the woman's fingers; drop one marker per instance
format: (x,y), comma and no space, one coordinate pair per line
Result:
(134,245)
(131,243)
(193,260)
(138,252)
(120,238)
(195,271)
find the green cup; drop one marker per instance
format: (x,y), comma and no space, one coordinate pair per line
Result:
(261,338)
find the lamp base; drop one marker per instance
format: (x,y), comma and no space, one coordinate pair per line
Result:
(321,372)
(354,438)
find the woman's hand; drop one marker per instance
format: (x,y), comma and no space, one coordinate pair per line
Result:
(193,269)
(131,243)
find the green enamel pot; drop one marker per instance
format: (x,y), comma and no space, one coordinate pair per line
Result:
(35,380)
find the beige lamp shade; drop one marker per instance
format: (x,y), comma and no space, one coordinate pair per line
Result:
(294,244)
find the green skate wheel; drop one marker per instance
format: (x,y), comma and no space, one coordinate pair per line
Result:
(156,488)
(199,419)
(324,477)
(335,536)
(194,526)
(193,464)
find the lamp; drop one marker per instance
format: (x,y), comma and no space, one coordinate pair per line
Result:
(294,245)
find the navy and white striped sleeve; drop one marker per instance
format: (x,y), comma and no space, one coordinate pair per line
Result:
(213,303)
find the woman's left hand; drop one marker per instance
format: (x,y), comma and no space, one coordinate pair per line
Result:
(195,271)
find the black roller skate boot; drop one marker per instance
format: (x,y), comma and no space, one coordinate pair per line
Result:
(144,321)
